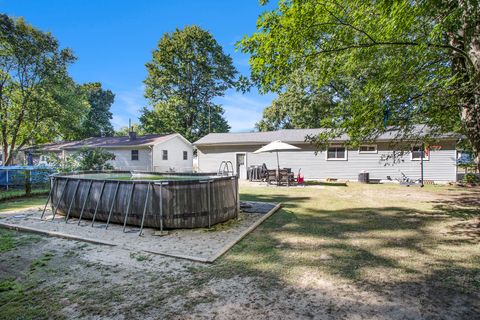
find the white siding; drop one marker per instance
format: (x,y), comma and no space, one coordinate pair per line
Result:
(441,165)
(123,159)
(175,146)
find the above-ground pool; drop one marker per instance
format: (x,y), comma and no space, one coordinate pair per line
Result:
(146,199)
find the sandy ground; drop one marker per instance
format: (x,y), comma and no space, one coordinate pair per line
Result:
(195,244)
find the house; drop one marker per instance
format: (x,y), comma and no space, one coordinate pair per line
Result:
(385,159)
(160,153)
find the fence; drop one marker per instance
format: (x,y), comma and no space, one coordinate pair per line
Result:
(25,177)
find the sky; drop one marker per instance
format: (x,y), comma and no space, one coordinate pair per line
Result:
(114,39)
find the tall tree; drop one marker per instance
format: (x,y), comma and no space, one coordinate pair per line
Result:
(188,70)
(96,123)
(395,63)
(37,96)
(301,105)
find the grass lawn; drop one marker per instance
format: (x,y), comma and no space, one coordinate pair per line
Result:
(356,251)
(6,195)
(23,203)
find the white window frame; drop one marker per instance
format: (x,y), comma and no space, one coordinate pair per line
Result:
(345,158)
(185,155)
(163,153)
(426,156)
(367,145)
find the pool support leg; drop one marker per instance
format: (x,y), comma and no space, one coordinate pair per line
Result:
(60,199)
(144,209)
(49,198)
(209,204)
(113,204)
(85,202)
(71,202)
(98,202)
(128,206)
(161,209)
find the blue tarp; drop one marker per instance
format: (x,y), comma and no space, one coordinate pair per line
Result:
(15,175)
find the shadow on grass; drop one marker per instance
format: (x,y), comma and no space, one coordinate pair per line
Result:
(362,245)
(463,205)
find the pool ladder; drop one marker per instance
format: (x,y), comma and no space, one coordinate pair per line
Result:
(225,169)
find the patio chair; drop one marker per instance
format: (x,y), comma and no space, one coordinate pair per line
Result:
(271,176)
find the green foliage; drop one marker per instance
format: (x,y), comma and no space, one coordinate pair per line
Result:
(188,70)
(38,99)
(301,105)
(95,159)
(471,178)
(83,160)
(96,122)
(385,65)
(123,131)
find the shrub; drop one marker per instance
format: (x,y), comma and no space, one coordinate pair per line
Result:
(471,178)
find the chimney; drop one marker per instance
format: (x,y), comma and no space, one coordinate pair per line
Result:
(132,135)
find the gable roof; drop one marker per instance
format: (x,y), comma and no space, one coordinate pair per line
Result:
(107,142)
(294,136)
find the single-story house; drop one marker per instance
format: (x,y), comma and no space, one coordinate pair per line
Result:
(385,159)
(160,153)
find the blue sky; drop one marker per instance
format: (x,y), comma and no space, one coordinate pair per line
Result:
(114,39)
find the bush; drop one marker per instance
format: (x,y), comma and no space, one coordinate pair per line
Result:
(471,178)
(95,159)
(84,160)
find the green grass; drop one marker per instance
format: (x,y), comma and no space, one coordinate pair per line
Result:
(6,195)
(363,233)
(23,203)
(9,240)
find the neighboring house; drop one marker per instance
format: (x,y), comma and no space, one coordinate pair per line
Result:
(381,159)
(160,153)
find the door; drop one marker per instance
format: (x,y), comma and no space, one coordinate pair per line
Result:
(241,165)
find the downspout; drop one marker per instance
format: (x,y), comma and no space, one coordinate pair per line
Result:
(151,158)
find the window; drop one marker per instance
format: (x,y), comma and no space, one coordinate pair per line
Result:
(417,153)
(134,155)
(367,148)
(185,155)
(336,153)
(164,154)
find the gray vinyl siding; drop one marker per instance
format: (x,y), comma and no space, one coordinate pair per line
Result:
(441,165)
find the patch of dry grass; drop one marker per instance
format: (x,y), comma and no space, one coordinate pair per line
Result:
(371,234)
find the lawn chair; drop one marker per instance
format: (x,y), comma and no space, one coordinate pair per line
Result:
(272,177)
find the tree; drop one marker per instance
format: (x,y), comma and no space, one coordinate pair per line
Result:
(38,99)
(392,64)
(188,70)
(97,122)
(123,131)
(84,159)
(301,105)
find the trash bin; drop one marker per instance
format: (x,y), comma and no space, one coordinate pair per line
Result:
(364,177)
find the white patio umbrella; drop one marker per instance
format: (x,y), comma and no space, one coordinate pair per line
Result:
(276,146)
